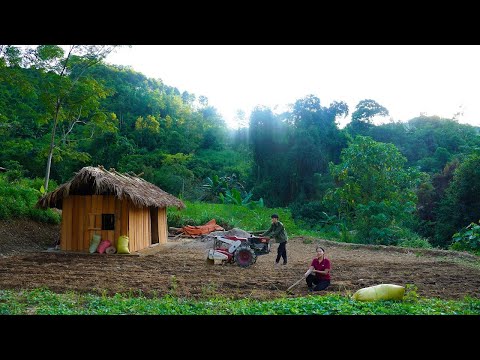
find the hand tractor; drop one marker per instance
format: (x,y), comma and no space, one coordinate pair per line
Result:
(242,251)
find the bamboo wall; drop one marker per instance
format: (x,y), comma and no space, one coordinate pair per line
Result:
(139,232)
(162,226)
(82,217)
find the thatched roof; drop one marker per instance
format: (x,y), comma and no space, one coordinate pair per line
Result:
(99,181)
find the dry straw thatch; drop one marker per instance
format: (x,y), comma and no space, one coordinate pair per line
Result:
(99,181)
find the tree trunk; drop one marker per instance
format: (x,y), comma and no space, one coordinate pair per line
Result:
(52,146)
(47,173)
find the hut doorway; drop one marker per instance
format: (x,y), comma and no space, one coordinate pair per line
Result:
(154,224)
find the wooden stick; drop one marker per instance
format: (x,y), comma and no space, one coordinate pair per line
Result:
(296,283)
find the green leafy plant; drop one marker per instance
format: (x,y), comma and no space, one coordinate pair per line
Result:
(209,289)
(173,285)
(415,242)
(46,302)
(18,200)
(467,239)
(411,294)
(345,235)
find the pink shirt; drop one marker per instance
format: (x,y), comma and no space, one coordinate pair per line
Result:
(321,266)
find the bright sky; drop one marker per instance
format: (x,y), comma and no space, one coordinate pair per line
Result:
(408,80)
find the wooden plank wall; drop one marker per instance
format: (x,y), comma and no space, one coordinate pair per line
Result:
(162,226)
(124,223)
(65,241)
(86,223)
(75,222)
(118,219)
(95,212)
(139,224)
(131,227)
(109,208)
(82,218)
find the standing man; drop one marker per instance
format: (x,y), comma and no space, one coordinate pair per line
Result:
(277,232)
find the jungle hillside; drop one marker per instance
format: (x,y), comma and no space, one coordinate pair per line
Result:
(413,183)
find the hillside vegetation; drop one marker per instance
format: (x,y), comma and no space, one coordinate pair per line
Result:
(413,183)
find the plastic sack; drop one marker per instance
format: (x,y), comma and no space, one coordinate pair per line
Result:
(122,245)
(103,245)
(110,250)
(94,243)
(380,292)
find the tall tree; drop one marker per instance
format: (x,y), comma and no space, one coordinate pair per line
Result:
(64,75)
(363,115)
(461,204)
(314,141)
(375,190)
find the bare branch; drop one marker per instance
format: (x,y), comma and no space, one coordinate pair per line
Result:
(76,121)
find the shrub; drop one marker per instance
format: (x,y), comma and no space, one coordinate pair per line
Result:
(17,200)
(467,239)
(380,222)
(312,215)
(415,242)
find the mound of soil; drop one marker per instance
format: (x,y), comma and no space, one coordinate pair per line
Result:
(21,236)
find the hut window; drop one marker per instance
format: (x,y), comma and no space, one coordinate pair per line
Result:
(108,221)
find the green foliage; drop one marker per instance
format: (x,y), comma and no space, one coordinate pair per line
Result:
(17,200)
(428,142)
(376,192)
(372,171)
(415,241)
(312,215)
(411,294)
(230,216)
(293,149)
(368,108)
(46,302)
(228,190)
(383,222)
(114,116)
(216,187)
(345,235)
(173,288)
(207,163)
(362,117)
(10,55)
(14,175)
(467,238)
(461,203)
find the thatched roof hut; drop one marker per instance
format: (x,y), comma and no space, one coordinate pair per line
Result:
(99,181)
(110,204)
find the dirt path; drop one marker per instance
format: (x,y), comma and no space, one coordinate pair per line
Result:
(183,271)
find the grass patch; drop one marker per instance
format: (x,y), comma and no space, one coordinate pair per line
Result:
(473,264)
(45,302)
(230,216)
(18,199)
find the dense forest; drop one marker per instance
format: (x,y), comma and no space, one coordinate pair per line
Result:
(415,182)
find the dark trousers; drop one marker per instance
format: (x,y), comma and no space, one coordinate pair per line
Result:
(319,284)
(282,252)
